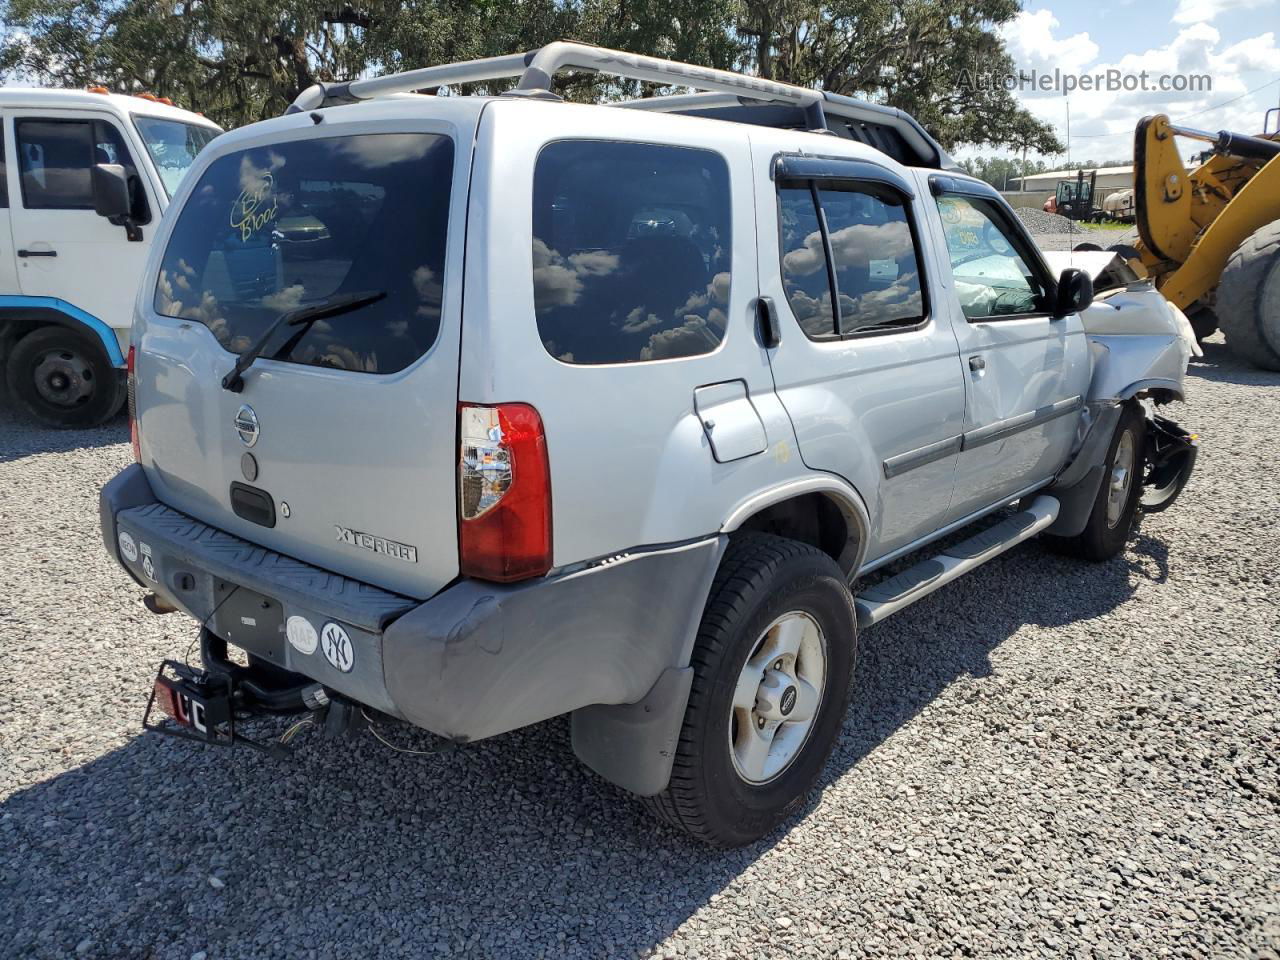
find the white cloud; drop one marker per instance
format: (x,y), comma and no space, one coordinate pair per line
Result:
(1204,11)
(1102,121)
(1030,39)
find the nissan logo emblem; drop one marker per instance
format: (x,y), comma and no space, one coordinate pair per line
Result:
(246,424)
(788,701)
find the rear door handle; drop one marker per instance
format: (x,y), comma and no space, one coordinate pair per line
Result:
(977,363)
(767,321)
(37,253)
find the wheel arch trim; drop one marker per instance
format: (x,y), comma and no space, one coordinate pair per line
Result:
(840,492)
(1174,387)
(61,313)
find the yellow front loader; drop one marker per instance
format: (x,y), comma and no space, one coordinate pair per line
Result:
(1210,239)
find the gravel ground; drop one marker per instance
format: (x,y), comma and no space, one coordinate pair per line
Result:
(1055,232)
(1046,758)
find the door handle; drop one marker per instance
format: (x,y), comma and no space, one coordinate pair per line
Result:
(977,364)
(37,253)
(767,320)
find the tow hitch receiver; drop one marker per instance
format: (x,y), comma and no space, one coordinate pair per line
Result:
(205,705)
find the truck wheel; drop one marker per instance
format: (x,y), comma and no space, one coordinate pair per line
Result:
(772,664)
(1116,505)
(1249,299)
(63,378)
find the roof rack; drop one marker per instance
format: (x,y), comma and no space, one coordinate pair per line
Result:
(725,95)
(537,68)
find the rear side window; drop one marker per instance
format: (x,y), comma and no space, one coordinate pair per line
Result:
(4,171)
(630,251)
(859,237)
(273,229)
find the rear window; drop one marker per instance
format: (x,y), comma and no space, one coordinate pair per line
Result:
(630,251)
(269,230)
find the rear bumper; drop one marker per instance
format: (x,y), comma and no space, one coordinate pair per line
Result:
(477,659)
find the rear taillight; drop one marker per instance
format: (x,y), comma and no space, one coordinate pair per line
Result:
(131,384)
(504,493)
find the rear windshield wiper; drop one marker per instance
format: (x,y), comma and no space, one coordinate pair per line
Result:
(334,306)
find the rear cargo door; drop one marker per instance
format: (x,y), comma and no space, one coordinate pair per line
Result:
(340,448)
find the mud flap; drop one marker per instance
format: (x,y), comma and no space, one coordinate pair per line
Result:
(634,745)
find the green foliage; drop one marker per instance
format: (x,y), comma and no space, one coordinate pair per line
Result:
(244,60)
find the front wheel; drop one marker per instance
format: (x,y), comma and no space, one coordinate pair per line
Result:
(1116,505)
(772,665)
(63,379)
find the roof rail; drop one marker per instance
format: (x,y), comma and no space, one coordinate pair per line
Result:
(537,68)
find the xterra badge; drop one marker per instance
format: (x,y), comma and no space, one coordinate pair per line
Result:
(367,541)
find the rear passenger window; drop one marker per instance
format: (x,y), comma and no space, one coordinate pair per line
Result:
(631,251)
(859,239)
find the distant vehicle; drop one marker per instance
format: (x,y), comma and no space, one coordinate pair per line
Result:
(88,174)
(473,411)
(1073,199)
(1120,205)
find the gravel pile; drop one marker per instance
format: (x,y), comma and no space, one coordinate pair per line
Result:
(1038,222)
(1046,758)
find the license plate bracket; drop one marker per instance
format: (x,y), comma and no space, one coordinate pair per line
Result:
(250,620)
(199,704)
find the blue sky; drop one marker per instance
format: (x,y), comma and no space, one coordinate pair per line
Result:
(1232,42)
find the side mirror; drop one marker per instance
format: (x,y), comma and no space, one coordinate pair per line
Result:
(110,190)
(1075,292)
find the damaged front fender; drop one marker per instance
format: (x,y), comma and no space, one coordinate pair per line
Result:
(1139,347)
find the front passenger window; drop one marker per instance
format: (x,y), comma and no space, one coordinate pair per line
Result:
(991,278)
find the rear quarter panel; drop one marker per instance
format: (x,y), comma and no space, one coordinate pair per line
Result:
(630,463)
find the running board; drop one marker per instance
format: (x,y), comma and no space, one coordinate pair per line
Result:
(890,596)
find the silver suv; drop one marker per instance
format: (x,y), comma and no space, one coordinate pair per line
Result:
(472,411)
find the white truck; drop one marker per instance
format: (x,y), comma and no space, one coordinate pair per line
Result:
(84,178)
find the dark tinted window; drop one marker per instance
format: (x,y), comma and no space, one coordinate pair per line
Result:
(4,171)
(276,228)
(630,251)
(877,273)
(804,264)
(55,157)
(875,264)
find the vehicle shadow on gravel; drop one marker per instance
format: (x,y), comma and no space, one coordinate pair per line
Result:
(24,437)
(1220,365)
(504,848)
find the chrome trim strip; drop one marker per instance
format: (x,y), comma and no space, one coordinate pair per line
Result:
(919,457)
(1023,421)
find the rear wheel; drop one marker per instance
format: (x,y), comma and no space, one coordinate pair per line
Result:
(1116,505)
(1249,299)
(772,665)
(63,378)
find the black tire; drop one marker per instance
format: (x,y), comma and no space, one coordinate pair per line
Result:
(1248,302)
(1088,246)
(761,578)
(1103,537)
(63,378)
